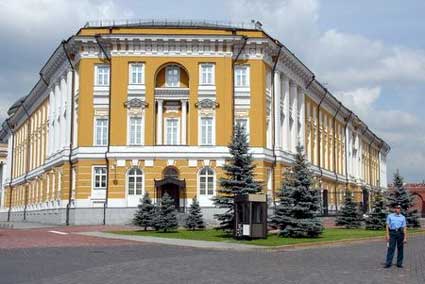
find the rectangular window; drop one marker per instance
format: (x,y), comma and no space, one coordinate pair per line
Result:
(206,130)
(207,74)
(99,178)
(244,123)
(172,131)
(136,131)
(102,75)
(241,76)
(136,73)
(172,76)
(101,132)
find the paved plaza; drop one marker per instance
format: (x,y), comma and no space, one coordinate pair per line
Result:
(60,255)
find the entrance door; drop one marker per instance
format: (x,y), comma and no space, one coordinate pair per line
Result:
(173,192)
(325,202)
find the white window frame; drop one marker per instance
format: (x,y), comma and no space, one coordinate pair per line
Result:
(142,130)
(94,188)
(247,125)
(206,183)
(201,72)
(105,80)
(238,83)
(130,73)
(166,130)
(95,133)
(200,132)
(128,182)
(178,75)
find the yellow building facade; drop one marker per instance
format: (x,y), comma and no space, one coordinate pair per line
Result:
(130,108)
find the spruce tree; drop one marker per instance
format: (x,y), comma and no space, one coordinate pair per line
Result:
(377,217)
(194,220)
(239,179)
(350,216)
(399,195)
(145,213)
(296,214)
(166,218)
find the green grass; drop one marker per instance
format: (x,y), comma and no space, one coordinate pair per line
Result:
(329,235)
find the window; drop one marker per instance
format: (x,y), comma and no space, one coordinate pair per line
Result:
(135,181)
(101,131)
(172,76)
(241,76)
(206,181)
(207,74)
(244,123)
(99,180)
(136,134)
(102,75)
(172,131)
(206,131)
(136,73)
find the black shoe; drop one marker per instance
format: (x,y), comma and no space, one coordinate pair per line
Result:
(400,266)
(387,265)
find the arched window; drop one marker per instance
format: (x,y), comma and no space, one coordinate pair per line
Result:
(135,181)
(206,181)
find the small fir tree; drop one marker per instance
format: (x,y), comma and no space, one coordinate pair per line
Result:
(399,195)
(166,218)
(194,220)
(239,179)
(145,213)
(350,216)
(377,217)
(296,214)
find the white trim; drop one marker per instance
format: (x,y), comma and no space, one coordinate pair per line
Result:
(100,193)
(95,130)
(96,75)
(248,75)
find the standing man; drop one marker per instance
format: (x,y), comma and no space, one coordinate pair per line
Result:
(396,235)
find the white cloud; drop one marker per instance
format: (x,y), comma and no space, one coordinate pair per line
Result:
(357,70)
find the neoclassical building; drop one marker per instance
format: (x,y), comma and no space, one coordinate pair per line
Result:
(124,108)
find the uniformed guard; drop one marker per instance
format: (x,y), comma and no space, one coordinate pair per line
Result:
(396,236)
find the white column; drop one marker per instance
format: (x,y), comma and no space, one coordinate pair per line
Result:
(68,107)
(184,121)
(277,118)
(301,103)
(294,99)
(159,124)
(286,134)
(64,126)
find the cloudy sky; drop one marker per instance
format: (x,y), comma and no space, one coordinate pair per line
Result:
(370,54)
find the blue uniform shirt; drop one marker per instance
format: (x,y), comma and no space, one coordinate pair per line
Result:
(395,221)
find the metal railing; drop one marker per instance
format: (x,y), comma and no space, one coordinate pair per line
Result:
(253,25)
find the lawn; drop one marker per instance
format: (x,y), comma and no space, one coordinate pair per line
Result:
(329,235)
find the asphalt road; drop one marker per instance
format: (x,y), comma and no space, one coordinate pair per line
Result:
(153,263)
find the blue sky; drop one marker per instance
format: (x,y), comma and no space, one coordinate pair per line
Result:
(370,54)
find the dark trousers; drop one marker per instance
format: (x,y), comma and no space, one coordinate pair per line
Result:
(396,239)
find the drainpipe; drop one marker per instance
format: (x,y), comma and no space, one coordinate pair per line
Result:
(274,124)
(245,38)
(346,148)
(11,171)
(334,155)
(319,143)
(71,132)
(27,162)
(108,58)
